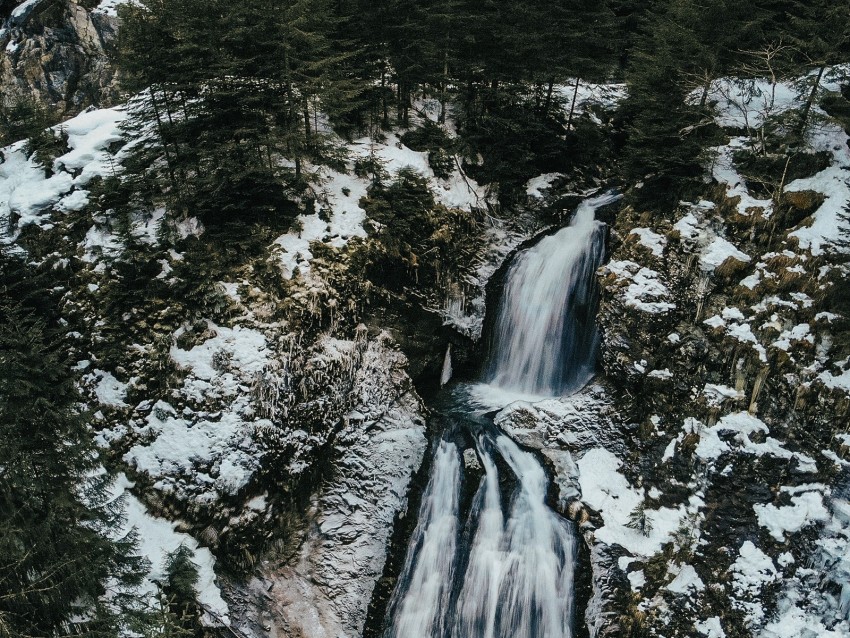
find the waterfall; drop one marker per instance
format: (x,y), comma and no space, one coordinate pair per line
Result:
(428,574)
(518,583)
(507,570)
(518,576)
(545,339)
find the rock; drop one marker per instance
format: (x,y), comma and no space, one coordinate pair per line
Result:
(470,460)
(60,55)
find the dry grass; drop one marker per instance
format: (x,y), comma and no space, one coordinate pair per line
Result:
(730,267)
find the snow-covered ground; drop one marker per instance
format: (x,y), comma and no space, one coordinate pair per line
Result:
(341,194)
(158,537)
(29,196)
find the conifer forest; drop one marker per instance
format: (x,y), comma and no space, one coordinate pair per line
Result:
(419,319)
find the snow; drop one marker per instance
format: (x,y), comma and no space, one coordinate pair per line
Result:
(74,201)
(661,374)
(23,8)
(799,333)
(651,240)
(717,394)
(89,135)
(718,251)
(751,571)
(606,96)
(836,382)
(158,537)
(109,7)
(805,509)
(741,425)
(26,192)
(346,215)
(108,390)
(733,314)
(833,182)
(723,170)
(607,491)
(752,280)
(687,581)
(243,348)
(637,579)
(197,448)
(710,628)
(645,291)
(796,623)
(537,185)
(747,103)
(258,503)
(688,227)
(100,242)
(197,454)
(326,589)
(744,333)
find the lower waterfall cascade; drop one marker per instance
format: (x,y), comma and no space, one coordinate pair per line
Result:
(505,568)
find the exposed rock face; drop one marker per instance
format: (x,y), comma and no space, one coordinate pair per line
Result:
(59,54)
(324,589)
(720,353)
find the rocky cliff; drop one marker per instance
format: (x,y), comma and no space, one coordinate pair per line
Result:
(58,53)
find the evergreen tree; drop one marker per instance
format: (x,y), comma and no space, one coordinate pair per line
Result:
(663,125)
(819,34)
(179,612)
(56,516)
(229,106)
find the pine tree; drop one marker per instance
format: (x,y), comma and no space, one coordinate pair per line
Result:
(57,520)
(819,34)
(179,612)
(663,125)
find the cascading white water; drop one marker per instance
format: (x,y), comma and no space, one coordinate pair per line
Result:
(508,573)
(519,578)
(429,565)
(545,335)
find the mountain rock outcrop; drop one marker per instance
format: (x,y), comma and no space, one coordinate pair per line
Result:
(58,53)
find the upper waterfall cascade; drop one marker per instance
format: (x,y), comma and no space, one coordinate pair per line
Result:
(506,569)
(546,339)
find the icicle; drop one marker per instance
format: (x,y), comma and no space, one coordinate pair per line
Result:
(446,375)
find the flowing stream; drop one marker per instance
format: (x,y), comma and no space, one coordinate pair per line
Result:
(504,568)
